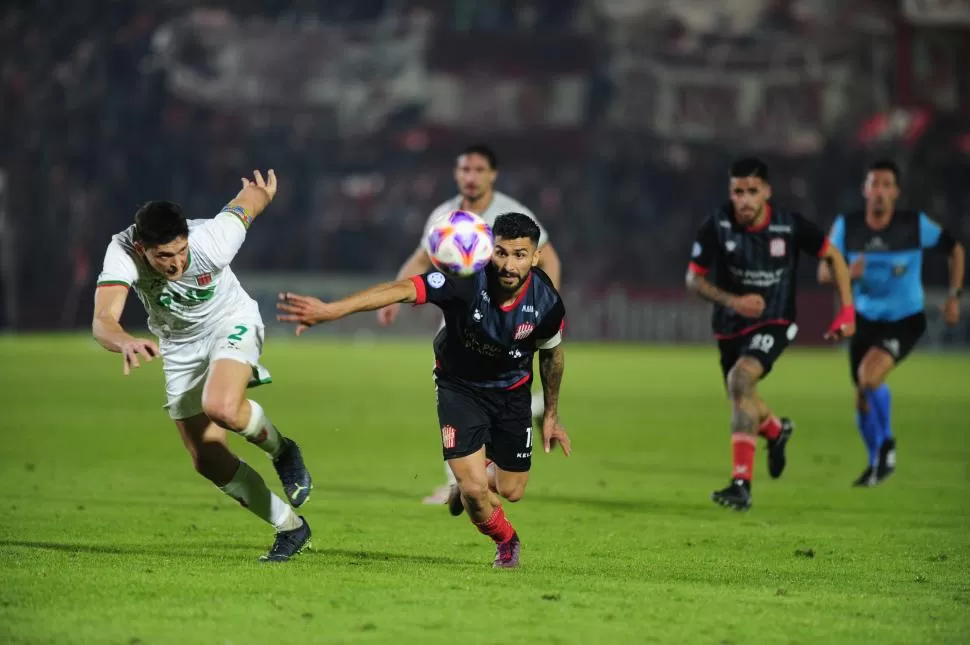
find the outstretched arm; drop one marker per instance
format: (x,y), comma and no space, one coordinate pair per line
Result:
(253,198)
(307,311)
(417,263)
(109,302)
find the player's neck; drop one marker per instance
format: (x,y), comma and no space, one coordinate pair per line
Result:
(761,221)
(478,205)
(878,221)
(508,299)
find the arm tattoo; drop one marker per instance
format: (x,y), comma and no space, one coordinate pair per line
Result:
(551,365)
(699,285)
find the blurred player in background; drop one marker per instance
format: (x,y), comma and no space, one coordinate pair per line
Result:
(885,246)
(753,248)
(475,173)
(211,336)
(495,321)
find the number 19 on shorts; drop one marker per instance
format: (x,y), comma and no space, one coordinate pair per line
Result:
(762,343)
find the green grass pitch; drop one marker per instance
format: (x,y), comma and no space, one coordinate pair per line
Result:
(108,536)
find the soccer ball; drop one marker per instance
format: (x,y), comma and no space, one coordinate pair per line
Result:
(460,243)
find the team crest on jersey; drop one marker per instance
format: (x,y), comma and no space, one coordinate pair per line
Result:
(204,279)
(448,436)
(777,247)
(523,330)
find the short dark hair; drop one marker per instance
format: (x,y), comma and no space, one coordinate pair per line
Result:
(482,150)
(750,167)
(512,226)
(159,222)
(886,164)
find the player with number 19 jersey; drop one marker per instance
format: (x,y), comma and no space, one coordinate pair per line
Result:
(753,249)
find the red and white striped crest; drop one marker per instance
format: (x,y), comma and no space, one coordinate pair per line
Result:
(523,330)
(448,436)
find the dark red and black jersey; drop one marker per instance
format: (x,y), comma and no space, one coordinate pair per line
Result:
(483,343)
(762,260)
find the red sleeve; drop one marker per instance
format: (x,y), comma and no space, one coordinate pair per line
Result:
(705,249)
(693,267)
(420,288)
(825,248)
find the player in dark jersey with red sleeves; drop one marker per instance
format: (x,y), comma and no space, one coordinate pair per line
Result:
(495,321)
(753,249)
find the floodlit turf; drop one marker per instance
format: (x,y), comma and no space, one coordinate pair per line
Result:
(108,536)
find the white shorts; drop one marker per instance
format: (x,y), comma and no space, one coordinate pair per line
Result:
(186,365)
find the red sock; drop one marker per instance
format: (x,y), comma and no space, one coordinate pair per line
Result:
(743,445)
(771,428)
(497,526)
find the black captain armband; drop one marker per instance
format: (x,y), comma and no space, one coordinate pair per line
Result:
(946,241)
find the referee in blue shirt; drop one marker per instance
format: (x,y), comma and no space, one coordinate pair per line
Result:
(884,246)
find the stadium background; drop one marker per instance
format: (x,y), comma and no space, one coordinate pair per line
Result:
(614,120)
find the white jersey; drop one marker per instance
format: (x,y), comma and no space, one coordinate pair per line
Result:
(207,293)
(500,204)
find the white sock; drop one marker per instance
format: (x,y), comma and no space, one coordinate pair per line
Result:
(452,480)
(261,432)
(249,489)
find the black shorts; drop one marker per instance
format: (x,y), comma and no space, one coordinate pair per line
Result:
(765,344)
(500,420)
(897,338)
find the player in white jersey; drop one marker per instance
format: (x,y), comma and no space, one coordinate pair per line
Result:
(475,173)
(210,338)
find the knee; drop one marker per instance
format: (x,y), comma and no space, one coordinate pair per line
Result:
(511,492)
(474,494)
(739,383)
(222,410)
(867,378)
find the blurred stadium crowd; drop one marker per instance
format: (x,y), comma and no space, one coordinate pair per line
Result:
(613,119)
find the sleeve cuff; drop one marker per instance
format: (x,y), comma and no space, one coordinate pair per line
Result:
(113,283)
(693,267)
(551,343)
(422,290)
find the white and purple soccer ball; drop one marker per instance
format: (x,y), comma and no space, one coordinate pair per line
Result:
(460,243)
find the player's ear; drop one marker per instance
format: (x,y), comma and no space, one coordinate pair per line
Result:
(767,191)
(536,256)
(139,248)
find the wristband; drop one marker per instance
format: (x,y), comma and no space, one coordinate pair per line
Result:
(846,316)
(240,213)
(956,292)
